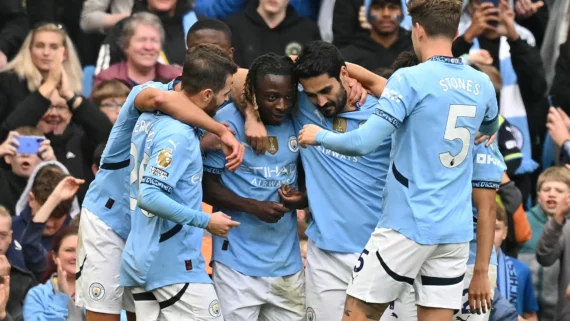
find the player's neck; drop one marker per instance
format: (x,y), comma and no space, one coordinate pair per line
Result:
(436,47)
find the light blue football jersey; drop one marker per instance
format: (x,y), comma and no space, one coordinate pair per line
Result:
(108,194)
(434,111)
(345,192)
(163,250)
(488,169)
(257,248)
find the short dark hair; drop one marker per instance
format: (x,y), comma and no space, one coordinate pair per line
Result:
(384,72)
(267,64)
(206,66)
(405,59)
(44,184)
(438,17)
(98,154)
(318,58)
(209,24)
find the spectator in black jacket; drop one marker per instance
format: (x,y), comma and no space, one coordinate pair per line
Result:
(269,26)
(346,25)
(13,29)
(561,82)
(386,40)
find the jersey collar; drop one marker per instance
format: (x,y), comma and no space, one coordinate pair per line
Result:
(447,60)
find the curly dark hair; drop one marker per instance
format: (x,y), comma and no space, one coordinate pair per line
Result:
(267,64)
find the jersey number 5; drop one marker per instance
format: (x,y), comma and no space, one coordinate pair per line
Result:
(452,132)
(136,174)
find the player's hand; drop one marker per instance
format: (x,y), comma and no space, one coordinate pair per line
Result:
(292,198)
(46,152)
(5,266)
(221,224)
(480,293)
(211,141)
(556,127)
(480,138)
(526,8)
(357,93)
(270,212)
(256,135)
(484,14)
(233,150)
(10,146)
(308,135)
(364,24)
(4,295)
(67,188)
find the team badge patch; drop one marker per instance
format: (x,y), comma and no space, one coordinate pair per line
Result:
(293,49)
(164,158)
(293,144)
(361,123)
(214,308)
(311,316)
(339,124)
(272,145)
(96,291)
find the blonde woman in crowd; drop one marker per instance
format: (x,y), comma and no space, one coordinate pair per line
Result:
(36,72)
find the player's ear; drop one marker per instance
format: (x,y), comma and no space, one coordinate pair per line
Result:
(231,52)
(343,73)
(207,95)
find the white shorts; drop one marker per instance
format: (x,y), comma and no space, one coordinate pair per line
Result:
(99,252)
(184,302)
(327,277)
(245,298)
(391,265)
(404,308)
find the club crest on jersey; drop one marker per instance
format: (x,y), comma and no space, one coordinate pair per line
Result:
(293,144)
(311,316)
(96,291)
(164,158)
(214,308)
(272,145)
(339,124)
(361,123)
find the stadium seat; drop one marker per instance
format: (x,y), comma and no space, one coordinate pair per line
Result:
(88,74)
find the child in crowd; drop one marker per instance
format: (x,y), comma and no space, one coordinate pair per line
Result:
(513,277)
(110,96)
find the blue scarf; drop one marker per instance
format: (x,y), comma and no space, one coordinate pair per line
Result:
(507,278)
(511,105)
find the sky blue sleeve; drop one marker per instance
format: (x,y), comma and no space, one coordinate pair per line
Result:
(215,162)
(160,178)
(490,123)
(42,306)
(395,104)
(488,166)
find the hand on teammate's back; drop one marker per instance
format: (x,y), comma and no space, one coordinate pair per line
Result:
(211,141)
(270,212)
(221,224)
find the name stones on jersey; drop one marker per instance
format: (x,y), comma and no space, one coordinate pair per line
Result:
(164,158)
(339,124)
(272,145)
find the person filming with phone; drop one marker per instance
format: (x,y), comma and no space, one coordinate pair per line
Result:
(23,150)
(490,25)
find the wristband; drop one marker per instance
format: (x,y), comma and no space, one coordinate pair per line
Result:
(71,101)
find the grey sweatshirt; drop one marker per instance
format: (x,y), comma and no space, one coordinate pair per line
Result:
(554,244)
(95,11)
